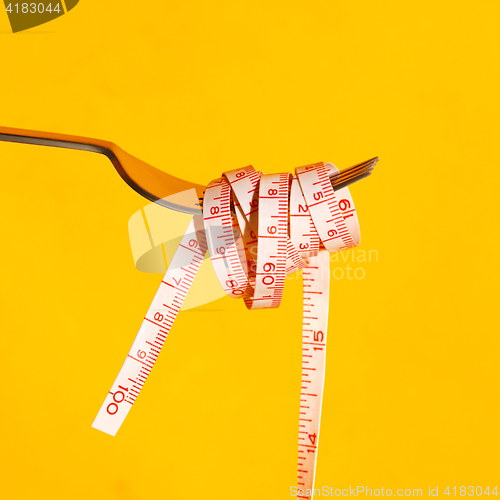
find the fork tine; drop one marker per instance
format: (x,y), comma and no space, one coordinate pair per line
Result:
(348,173)
(371,161)
(353,174)
(351,181)
(366,164)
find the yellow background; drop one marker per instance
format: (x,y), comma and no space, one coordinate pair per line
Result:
(195,88)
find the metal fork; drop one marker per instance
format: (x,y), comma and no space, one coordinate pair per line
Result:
(148,181)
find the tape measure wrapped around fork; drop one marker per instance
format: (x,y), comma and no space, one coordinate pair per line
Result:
(258,228)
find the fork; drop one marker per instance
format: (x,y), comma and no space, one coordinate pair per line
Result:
(148,181)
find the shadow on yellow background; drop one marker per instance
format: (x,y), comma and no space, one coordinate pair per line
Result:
(411,395)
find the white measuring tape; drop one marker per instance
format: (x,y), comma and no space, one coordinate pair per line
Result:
(258,228)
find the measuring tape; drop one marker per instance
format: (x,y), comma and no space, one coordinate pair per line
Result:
(257,228)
